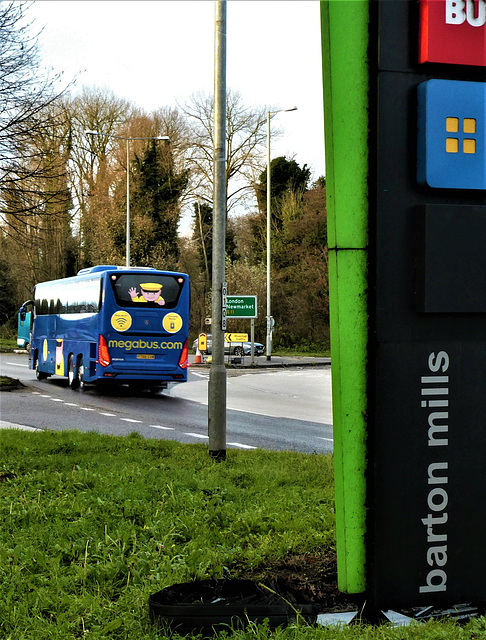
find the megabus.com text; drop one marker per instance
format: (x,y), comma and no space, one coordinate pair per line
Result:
(128,345)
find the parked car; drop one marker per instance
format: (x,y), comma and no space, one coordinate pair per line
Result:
(234,348)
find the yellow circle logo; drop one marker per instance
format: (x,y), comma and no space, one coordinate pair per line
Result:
(121,321)
(172,322)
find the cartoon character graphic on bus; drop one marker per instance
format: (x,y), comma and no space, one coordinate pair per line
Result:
(150,292)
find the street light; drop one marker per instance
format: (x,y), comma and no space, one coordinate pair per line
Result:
(269,219)
(98,133)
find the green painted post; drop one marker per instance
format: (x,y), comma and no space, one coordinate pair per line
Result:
(344,26)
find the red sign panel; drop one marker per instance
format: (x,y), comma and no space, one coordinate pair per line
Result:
(453,31)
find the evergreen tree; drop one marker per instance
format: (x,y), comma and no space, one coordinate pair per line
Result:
(8,299)
(286,175)
(155,207)
(286,178)
(203,236)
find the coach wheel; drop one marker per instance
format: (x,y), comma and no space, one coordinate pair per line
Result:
(40,375)
(80,374)
(72,379)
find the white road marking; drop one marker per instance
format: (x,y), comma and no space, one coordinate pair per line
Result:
(158,426)
(15,364)
(71,404)
(130,420)
(241,446)
(197,435)
(111,415)
(328,439)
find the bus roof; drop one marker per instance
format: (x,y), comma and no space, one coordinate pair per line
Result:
(110,267)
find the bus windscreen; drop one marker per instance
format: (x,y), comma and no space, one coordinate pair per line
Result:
(146,290)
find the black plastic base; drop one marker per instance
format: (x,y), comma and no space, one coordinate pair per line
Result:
(219,456)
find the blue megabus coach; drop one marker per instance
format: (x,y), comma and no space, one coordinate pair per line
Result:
(109,324)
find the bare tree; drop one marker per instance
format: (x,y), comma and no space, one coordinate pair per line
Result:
(26,110)
(245,144)
(93,165)
(99,170)
(97,110)
(36,229)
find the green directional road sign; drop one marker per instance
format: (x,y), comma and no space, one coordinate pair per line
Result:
(241,306)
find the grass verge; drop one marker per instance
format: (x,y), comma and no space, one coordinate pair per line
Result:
(302,353)
(7,383)
(92,524)
(7,344)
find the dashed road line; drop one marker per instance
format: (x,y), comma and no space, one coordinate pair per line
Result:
(239,445)
(199,436)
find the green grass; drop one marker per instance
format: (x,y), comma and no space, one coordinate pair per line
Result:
(8,343)
(92,525)
(312,353)
(304,349)
(5,381)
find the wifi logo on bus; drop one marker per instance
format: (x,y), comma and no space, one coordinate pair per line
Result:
(121,321)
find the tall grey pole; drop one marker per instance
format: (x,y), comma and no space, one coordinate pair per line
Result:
(128,209)
(217,375)
(269,224)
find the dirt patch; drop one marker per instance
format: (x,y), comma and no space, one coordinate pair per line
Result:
(313,576)
(5,476)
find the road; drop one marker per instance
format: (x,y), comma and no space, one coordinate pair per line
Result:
(286,409)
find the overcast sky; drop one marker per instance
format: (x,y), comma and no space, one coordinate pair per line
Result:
(157,53)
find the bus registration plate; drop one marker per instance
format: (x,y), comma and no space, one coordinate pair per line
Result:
(145,356)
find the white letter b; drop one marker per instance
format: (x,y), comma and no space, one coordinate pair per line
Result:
(455,13)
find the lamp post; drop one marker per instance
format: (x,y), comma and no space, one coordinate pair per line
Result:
(269,226)
(98,133)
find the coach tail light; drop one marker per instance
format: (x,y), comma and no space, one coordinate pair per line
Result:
(183,360)
(103,353)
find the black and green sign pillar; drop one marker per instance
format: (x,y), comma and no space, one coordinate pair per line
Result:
(406,182)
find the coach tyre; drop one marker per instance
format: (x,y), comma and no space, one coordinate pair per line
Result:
(40,375)
(72,379)
(80,374)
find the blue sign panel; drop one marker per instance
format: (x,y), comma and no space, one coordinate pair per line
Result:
(452,134)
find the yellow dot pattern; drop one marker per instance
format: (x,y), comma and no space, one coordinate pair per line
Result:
(469,127)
